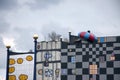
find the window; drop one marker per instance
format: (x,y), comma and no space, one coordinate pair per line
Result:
(64,71)
(70,50)
(57,72)
(93,69)
(112,58)
(73,60)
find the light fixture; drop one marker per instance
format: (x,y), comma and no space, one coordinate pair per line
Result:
(57,72)
(8,46)
(35,36)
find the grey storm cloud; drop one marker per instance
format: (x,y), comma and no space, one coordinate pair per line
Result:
(24,38)
(42,4)
(4,26)
(3,59)
(5,7)
(1,43)
(7,4)
(2,54)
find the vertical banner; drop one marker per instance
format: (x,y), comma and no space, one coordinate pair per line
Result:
(21,66)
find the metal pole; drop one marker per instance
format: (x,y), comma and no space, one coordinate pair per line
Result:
(7,65)
(35,52)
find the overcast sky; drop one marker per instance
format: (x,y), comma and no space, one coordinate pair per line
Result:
(20,19)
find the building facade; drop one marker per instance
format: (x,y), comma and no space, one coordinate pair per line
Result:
(82,60)
(77,59)
(48,60)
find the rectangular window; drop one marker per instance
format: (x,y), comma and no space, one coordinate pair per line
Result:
(93,69)
(73,59)
(112,58)
(101,39)
(64,71)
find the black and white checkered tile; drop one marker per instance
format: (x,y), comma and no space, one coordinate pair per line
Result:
(88,54)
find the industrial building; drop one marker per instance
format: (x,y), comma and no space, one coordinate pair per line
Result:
(81,58)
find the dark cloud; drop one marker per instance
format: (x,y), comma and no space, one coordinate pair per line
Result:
(1,43)
(23,38)
(4,26)
(3,58)
(2,54)
(41,4)
(7,4)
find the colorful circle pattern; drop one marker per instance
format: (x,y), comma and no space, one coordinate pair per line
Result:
(11,61)
(19,60)
(29,58)
(11,69)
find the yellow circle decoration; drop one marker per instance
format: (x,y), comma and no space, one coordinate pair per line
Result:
(40,71)
(11,61)
(23,77)
(19,60)
(11,69)
(29,58)
(12,77)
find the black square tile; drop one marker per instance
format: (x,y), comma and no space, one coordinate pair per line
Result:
(109,64)
(109,44)
(63,65)
(90,56)
(85,58)
(90,49)
(78,64)
(78,77)
(83,49)
(90,63)
(104,48)
(64,77)
(102,71)
(109,52)
(69,58)
(117,48)
(63,54)
(94,59)
(97,49)
(85,71)
(110,77)
(94,52)
(117,57)
(78,45)
(69,71)
(97,77)
(116,70)
(90,76)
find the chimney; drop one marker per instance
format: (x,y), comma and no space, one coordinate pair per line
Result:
(88,31)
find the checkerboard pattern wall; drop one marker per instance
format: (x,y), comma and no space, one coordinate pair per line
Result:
(87,54)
